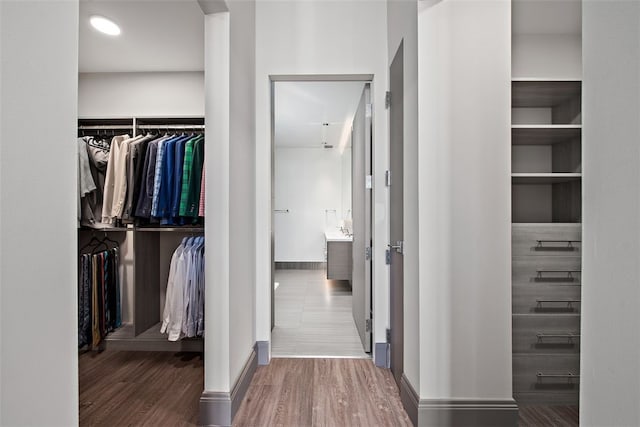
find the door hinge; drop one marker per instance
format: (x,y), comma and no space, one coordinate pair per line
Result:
(387,178)
(367,325)
(387,256)
(387,100)
(388,335)
(368,182)
(367,253)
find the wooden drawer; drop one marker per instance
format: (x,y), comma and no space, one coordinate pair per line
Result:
(546,239)
(545,298)
(551,270)
(555,330)
(528,387)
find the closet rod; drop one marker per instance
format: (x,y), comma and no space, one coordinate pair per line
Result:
(102,127)
(170,126)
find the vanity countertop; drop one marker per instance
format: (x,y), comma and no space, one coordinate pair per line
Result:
(336,236)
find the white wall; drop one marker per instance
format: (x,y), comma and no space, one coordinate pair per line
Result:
(242,185)
(464,103)
(308,182)
(610,371)
(347,212)
(166,94)
(217,212)
(294,37)
(38,303)
(545,56)
(402,21)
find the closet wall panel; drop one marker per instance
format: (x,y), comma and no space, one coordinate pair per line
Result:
(147,279)
(168,94)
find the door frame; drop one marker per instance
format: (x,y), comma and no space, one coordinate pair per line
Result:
(273,79)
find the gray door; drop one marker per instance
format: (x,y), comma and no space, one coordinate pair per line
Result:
(396,233)
(361,214)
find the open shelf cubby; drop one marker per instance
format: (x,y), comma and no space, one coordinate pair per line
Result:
(546,151)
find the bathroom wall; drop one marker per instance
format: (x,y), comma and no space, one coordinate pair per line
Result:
(311,184)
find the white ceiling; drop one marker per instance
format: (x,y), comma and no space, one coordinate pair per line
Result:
(301,108)
(165,35)
(547,16)
(168,35)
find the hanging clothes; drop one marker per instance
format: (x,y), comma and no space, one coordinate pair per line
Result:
(86,184)
(190,196)
(113,171)
(137,151)
(183,314)
(99,296)
(91,203)
(201,204)
(145,200)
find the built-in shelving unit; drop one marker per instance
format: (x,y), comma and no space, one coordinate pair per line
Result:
(146,249)
(546,151)
(546,213)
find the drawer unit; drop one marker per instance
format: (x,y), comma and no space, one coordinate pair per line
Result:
(535,270)
(546,333)
(547,298)
(546,378)
(546,240)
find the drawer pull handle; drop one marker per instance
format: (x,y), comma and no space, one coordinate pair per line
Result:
(543,245)
(568,336)
(281,210)
(569,302)
(569,376)
(543,275)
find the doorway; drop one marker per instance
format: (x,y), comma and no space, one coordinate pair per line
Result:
(321,218)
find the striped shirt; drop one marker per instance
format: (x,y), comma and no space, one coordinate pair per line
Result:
(201,207)
(157,181)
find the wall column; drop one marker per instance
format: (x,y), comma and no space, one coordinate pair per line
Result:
(38,211)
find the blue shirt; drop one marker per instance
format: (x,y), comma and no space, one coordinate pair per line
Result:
(157,181)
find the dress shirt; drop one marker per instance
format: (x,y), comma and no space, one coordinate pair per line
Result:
(193,194)
(120,182)
(109,182)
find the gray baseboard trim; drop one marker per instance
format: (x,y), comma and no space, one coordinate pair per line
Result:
(381,354)
(457,412)
(410,399)
(301,265)
(219,408)
(262,348)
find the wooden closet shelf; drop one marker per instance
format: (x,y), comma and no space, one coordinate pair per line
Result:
(544,178)
(544,134)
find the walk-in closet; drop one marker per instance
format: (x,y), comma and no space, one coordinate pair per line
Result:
(146,240)
(141,221)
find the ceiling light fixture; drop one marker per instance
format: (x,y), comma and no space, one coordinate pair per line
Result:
(104,25)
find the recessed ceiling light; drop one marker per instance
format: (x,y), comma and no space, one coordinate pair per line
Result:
(104,25)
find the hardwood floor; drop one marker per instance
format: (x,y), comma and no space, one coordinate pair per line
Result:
(548,416)
(322,392)
(119,388)
(125,388)
(313,317)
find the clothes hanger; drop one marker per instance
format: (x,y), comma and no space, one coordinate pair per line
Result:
(108,239)
(94,241)
(102,243)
